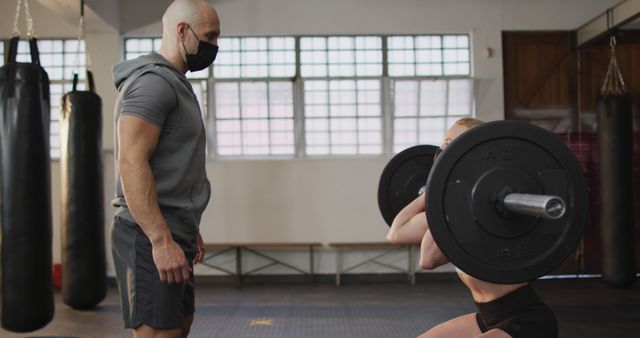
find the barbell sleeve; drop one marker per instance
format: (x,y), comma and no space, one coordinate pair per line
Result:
(546,206)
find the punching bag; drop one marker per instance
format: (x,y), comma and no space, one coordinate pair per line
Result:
(27,289)
(83,248)
(615,138)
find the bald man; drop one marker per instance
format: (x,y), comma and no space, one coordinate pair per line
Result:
(161,182)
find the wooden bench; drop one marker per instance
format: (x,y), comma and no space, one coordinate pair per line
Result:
(389,248)
(217,249)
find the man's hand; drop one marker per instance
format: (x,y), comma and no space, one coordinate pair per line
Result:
(171,262)
(201,251)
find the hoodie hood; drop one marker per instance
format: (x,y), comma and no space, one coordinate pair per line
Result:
(123,70)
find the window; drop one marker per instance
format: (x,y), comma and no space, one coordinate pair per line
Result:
(341,56)
(342,117)
(430,86)
(342,91)
(337,90)
(134,48)
(428,55)
(254,96)
(254,118)
(60,58)
(256,57)
(424,109)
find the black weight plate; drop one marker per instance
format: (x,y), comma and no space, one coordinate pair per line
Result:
(402,179)
(461,192)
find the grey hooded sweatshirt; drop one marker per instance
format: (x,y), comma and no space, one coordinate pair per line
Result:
(151,88)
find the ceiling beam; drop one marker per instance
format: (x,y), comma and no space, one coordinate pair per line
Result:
(141,13)
(613,18)
(100,15)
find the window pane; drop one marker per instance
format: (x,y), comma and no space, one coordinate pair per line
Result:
(141,46)
(400,42)
(433,98)
(406,98)
(424,109)
(343,117)
(341,56)
(460,97)
(200,89)
(254,118)
(429,55)
(255,57)
(431,130)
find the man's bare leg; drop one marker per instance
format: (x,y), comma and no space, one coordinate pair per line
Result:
(186,325)
(144,331)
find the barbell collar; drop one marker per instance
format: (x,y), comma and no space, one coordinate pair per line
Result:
(545,206)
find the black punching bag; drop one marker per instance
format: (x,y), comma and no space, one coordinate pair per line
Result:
(27,288)
(83,249)
(615,138)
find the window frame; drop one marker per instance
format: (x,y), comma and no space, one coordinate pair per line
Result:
(214,154)
(387,104)
(213,119)
(302,144)
(448,79)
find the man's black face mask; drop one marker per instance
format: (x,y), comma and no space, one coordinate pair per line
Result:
(203,58)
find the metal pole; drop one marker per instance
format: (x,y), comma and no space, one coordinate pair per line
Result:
(546,206)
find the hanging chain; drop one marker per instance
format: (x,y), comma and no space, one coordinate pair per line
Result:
(76,58)
(31,33)
(613,81)
(81,39)
(16,20)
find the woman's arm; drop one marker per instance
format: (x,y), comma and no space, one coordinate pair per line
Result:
(431,256)
(410,224)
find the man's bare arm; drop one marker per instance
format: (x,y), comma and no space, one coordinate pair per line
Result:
(137,141)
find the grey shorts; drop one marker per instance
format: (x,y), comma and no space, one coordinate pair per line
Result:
(144,298)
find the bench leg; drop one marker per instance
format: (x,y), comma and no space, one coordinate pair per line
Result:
(311,268)
(338,266)
(412,266)
(239,264)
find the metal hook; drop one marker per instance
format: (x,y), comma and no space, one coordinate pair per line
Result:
(612,43)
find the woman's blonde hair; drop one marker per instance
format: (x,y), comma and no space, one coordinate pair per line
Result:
(469,122)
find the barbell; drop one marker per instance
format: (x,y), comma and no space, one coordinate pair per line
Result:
(506,201)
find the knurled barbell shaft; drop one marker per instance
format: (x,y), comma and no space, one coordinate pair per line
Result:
(546,206)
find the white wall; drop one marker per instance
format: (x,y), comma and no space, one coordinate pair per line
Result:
(330,199)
